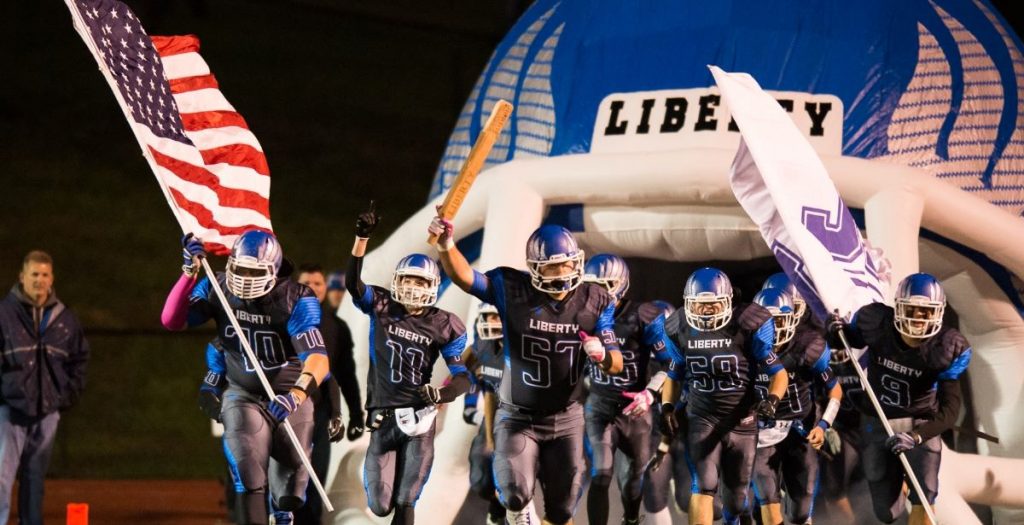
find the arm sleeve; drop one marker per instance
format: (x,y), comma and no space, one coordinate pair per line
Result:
(361,294)
(75,367)
(822,369)
(304,327)
(332,395)
(950,398)
(606,328)
(343,368)
(482,288)
(761,346)
(175,313)
(452,354)
(215,359)
(199,308)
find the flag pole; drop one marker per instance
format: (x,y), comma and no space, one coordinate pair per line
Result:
(79,25)
(888,429)
(263,380)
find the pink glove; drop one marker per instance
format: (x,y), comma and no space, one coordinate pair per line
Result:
(592,346)
(641,404)
(444,230)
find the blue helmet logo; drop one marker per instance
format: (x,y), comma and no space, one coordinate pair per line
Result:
(707,299)
(780,304)
(554,259)
(416,281)
(610,271)
(253,264)
(920,304)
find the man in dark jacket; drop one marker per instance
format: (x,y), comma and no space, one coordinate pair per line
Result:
(42,370)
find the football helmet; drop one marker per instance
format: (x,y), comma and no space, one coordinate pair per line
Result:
(780,304)
(919,293)
(416,293)
(253,264)
(487,329)
(552,245)
(781,280)
(705,288)
(609,271)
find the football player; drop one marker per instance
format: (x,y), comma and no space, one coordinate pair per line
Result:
(721,348)
(548,315)
(913,364)
(280,319)
(786,445)
(617,409)
(486,359)
(408,333)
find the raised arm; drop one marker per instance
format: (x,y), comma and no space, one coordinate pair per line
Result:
(455,264)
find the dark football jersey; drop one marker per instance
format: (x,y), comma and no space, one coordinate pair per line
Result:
(634,334)
(806,359)
(490,362)
(544,358)
(720,366)
(854,401)
(404,347)
(905,378)
(282,328)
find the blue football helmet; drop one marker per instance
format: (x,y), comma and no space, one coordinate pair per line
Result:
(253,264)
(704,289)
(552,245)
(920,303)
(609,271)
(781,280)
(416,293)
(780,304)
(666,307)
(488,323)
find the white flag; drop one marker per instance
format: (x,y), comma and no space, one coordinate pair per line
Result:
(783,186)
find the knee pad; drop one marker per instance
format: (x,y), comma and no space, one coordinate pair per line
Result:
(601,478)
(379,508)
(289,503)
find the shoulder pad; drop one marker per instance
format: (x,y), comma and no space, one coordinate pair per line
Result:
(752,316)
(810,343)
(953,342)
(647,312)
(598,293)
(674,323)
(454,321)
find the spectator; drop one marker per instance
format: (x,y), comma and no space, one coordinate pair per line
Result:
(338,341)
(335,290)
(42,371)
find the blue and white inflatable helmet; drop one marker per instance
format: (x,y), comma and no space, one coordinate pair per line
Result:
(416,281)
(707,299)
(780,304)
(610,271)
(919,306)
(554,246)
(253,264)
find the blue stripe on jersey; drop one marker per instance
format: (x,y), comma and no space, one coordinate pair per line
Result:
(215,359)
(201,291)
(675,370)
(373,338)
(364,303)
(305,316)
(453,350)
(957,367)
(482,288)
(236,478)
(822,363)
(497,288)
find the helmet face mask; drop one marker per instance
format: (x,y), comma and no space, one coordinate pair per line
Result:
(416,282)
(252,267)
(919,306)
(707,300)
(488,324)
(781,280)
(554,260)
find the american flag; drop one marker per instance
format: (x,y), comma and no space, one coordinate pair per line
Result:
(210,166)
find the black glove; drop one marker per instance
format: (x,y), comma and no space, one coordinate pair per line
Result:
(430,394)
(367,221)
(903,442)
(355,426)
(766,408)
(668,424)
(335,429)
(209,403)
(658,458)
(835,323)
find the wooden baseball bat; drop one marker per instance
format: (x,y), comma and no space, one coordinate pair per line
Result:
(474,162)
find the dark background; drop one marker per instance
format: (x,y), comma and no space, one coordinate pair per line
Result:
(350,100)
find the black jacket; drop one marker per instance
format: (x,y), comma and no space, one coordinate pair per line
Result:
(40,372)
